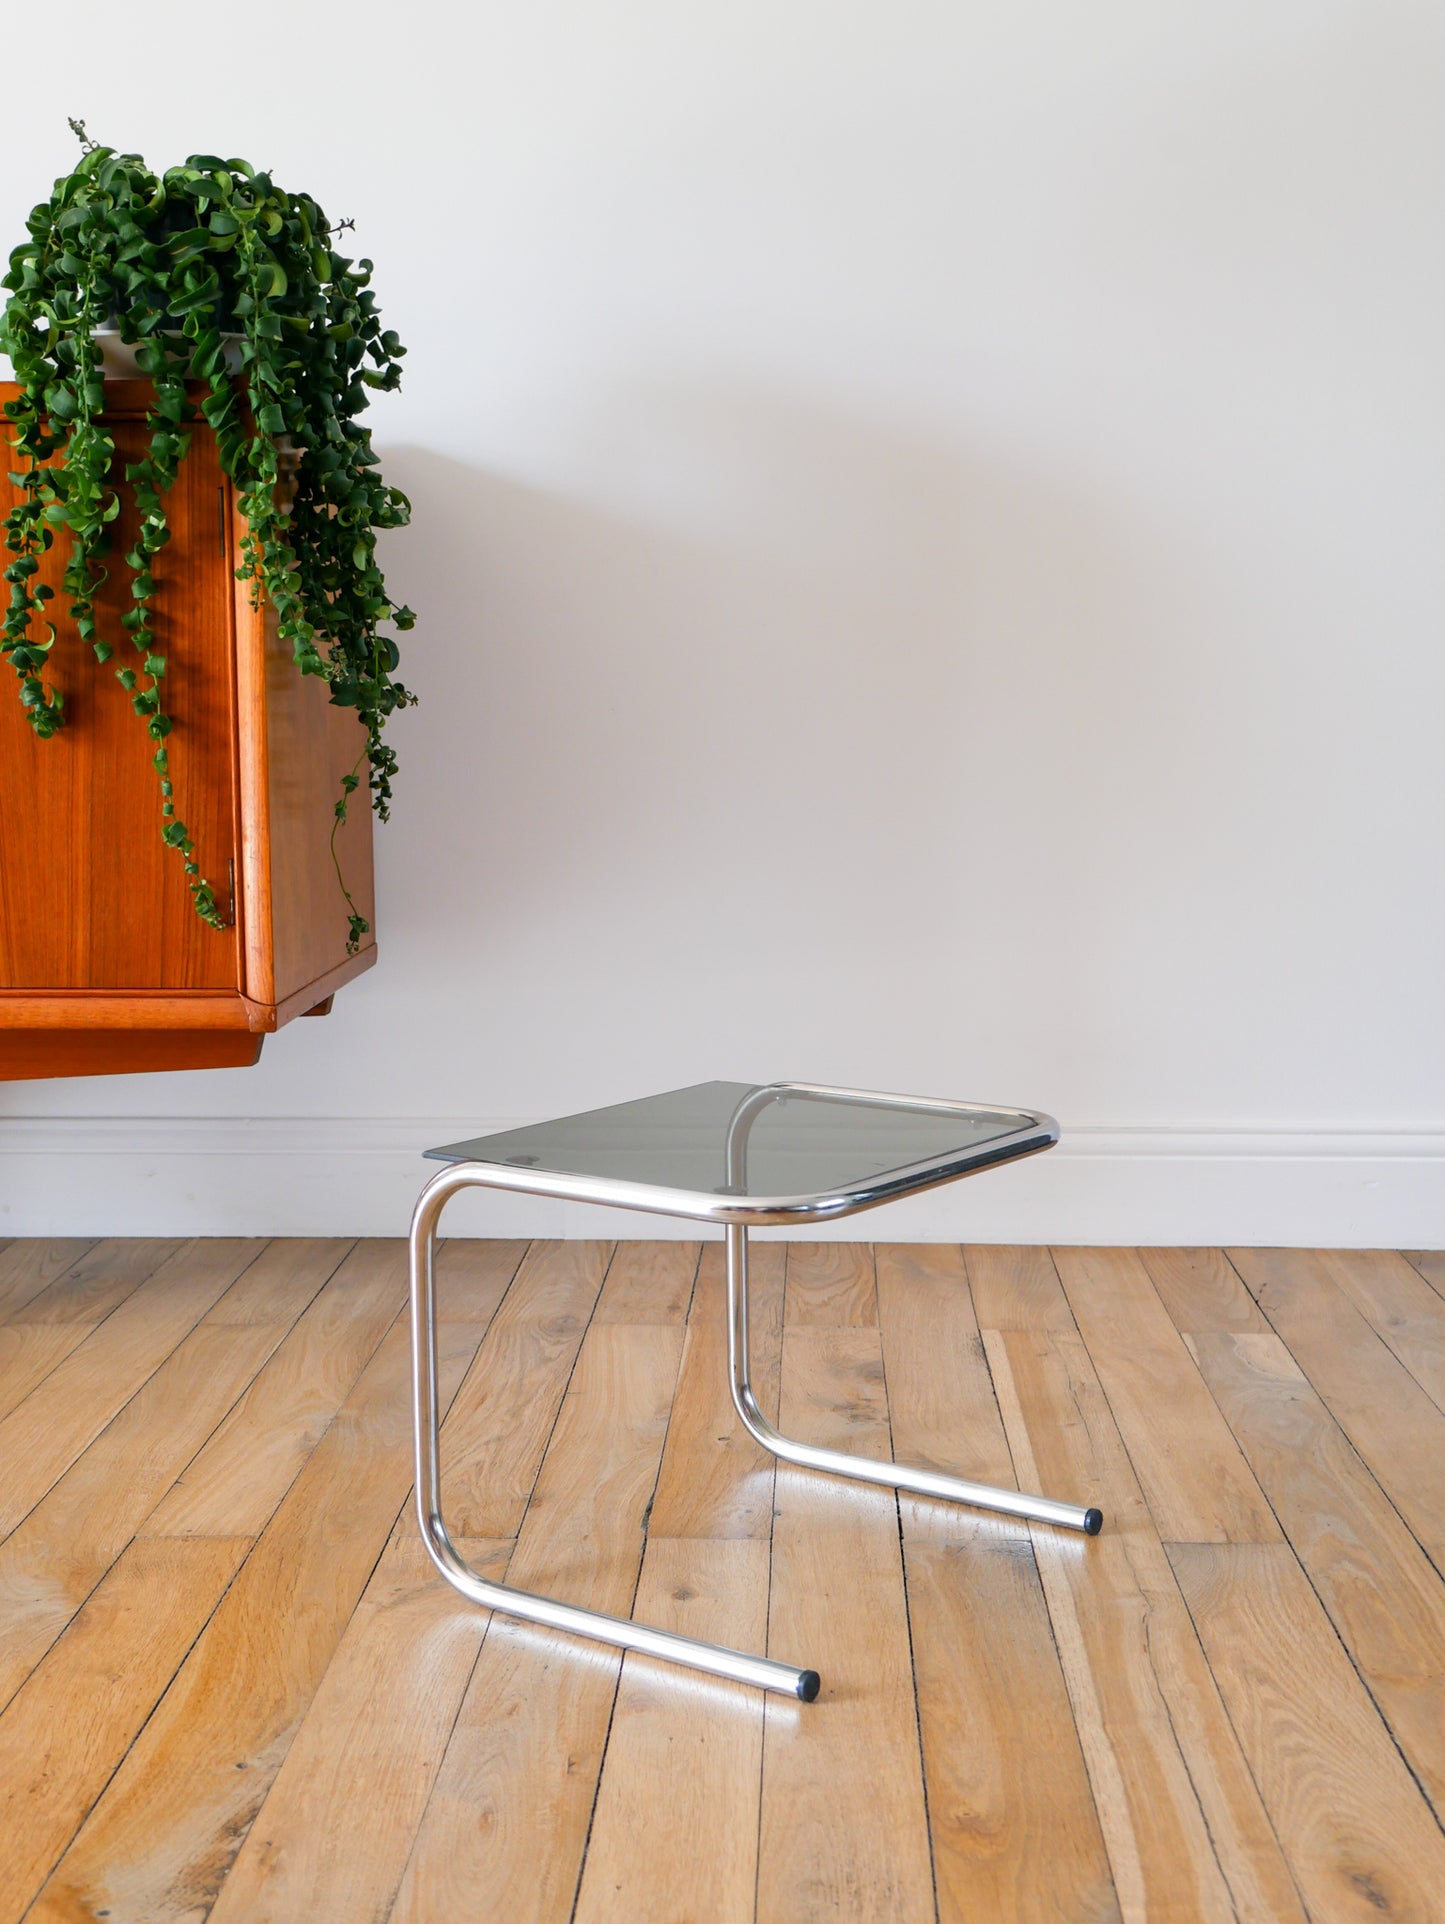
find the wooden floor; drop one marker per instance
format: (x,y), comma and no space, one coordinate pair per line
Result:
(231,1684)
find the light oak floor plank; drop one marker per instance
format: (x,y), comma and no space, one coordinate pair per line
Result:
(649,1283)
(1431,1265)
(582,1540)
(508,1404)
(400,1669)
(684,1754)
(844,1825)
(473,1274)
(234,1484)
(1010,1808)
(1016,1287)
(1011,1814)
(1201,1290)
(29,1352)
(1354,1826)
(514,1793)
(831,1285)
(29,1264)
(52,1561)
(715,1481)
(675,1830)
(1371,1395)
(1400,1306)
(582,1534)
(284,1279)
(940,1395)
(51,1315)
(43,1436)
(1195,1480)
(101,1279)
(1383,1595)
(158,1845)
(1182,1820)
(66,1731)
(406,1654)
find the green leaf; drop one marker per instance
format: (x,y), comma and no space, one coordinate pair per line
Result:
(189,242)
(196,299)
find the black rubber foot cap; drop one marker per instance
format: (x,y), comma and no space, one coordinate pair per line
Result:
(1093,1522)
(808,1682)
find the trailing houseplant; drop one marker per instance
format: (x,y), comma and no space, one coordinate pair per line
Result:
(221,279)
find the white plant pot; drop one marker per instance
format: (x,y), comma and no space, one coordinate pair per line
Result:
(118,362)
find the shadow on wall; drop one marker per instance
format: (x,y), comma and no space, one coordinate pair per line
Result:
(782,734)
(797,660)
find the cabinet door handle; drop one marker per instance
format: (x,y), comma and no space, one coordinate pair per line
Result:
(221,514)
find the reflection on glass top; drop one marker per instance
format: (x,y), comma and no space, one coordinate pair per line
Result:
(781,1145)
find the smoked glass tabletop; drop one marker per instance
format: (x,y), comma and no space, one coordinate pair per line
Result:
(838,1148)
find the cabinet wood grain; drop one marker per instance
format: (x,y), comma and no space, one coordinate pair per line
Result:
(104,966)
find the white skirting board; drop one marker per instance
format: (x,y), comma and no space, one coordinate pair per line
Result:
(334,1176)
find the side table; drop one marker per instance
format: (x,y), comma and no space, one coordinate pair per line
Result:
(742,1155)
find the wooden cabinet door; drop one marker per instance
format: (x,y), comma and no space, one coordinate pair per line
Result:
(89,896)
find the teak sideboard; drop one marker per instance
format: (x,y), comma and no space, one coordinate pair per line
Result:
(105,967)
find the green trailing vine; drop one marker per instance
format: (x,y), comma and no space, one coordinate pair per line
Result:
(178,263)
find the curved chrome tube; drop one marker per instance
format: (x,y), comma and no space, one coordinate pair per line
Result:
(753,1104)
(866,1469)
(721,1662)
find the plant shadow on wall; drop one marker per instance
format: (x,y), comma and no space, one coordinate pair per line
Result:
(800,662)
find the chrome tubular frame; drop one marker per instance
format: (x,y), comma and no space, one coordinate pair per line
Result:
(810,1456)
(867,1469)
(734,1664)
(734,1209)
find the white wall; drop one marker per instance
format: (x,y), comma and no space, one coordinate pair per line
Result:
(928,546)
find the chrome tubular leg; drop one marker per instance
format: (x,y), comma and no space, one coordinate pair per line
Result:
(733,1664)
(867,1469)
